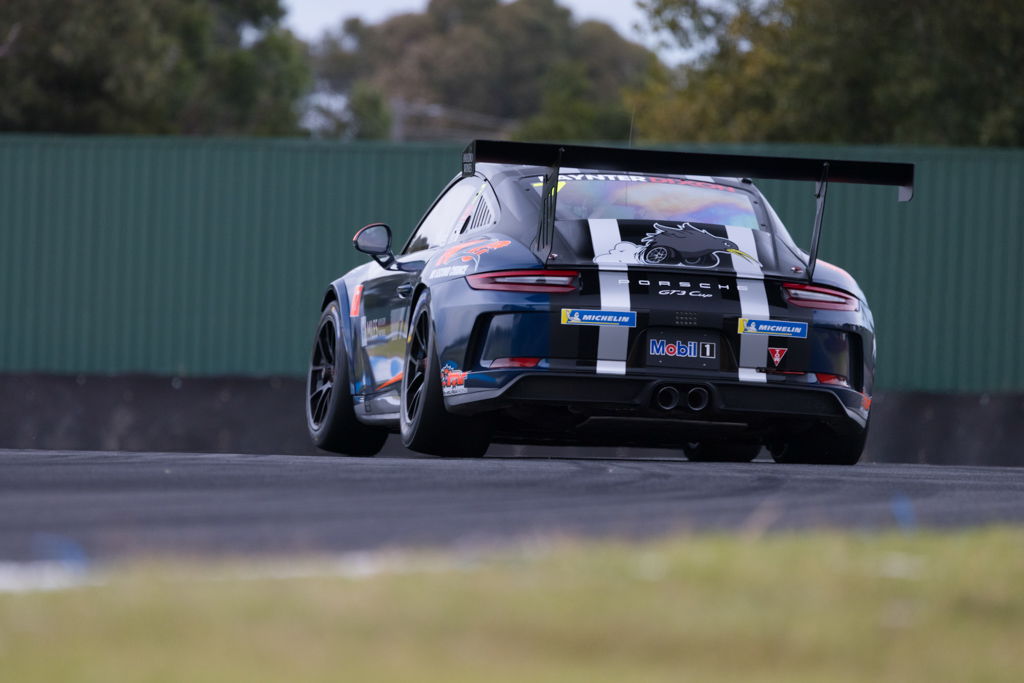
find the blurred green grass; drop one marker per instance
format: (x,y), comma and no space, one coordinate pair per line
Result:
(790,607)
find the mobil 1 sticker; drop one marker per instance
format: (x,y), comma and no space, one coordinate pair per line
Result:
(683,348)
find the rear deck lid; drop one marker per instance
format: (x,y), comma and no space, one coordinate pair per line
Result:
(613,244)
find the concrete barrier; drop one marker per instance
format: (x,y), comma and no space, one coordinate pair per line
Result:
(152,413)
(264,415)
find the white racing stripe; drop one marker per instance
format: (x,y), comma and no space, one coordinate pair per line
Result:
(612,341)
(753,304)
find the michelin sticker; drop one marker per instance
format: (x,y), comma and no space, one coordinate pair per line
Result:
(774,328)
(575,316)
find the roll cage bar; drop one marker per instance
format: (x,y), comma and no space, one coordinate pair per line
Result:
(554,156)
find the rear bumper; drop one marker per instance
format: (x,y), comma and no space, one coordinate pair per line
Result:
(573,407)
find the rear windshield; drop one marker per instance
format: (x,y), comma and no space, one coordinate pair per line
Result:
(639,197)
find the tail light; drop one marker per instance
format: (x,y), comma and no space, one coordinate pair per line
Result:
(518,362)
(812,296)
(836,380)
(545,281)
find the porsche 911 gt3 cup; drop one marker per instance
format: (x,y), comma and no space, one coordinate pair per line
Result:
(557,294)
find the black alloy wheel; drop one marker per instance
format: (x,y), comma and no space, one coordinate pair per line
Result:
(821,446)
(426,424)
(320,384)
(330,413)
(417,363)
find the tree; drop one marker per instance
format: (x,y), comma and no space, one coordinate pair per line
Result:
(168,66)
(466,67)
(853,71)
(570,110)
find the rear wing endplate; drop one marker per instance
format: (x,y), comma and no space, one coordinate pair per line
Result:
(819,171)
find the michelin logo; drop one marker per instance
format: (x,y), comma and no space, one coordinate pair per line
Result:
(774,328)
(574,316)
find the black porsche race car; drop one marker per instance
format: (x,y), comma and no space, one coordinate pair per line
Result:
(557,294)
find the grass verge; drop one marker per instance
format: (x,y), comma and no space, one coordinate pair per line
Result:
(800,607)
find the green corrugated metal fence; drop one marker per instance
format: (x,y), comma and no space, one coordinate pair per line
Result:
(199,256)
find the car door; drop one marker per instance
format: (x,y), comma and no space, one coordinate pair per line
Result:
(387,294)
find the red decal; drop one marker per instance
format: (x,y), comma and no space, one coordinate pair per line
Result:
(394,380)
(466,254)
(357,300)
(446,256)
(472,254)
(453,380)
(777,354)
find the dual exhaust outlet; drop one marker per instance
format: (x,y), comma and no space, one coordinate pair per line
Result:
(669,398)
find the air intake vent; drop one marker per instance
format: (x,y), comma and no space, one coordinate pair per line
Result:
(482,217)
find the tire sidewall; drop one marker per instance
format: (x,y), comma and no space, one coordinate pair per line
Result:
(410,427)
(824,447)
(340,383)
(433,429)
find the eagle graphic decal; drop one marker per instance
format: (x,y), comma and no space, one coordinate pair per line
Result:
(683,244)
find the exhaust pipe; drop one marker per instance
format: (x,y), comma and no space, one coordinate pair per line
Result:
(697,399)
(667,398)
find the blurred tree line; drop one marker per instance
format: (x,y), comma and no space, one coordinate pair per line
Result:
(524,66)
(852,71)
(162,66)
(945,72)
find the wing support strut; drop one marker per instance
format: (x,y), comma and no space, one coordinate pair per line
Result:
(820,190)
(549,193)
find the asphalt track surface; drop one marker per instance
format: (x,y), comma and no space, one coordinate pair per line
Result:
(61,505)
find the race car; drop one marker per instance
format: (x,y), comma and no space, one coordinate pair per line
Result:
(561,294)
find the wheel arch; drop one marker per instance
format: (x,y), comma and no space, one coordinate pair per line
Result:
(421,287)
(338,292)
(330,295)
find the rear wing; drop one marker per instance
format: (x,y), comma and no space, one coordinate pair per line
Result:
(553,156)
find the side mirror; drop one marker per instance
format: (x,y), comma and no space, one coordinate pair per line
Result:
(375,240)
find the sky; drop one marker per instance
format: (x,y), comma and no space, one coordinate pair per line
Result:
(308,18)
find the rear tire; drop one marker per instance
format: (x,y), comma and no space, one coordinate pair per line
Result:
(722,451)
(427,426)
(821,446)
(330,415)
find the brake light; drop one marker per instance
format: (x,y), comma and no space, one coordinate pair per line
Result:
(837,380)
(545,281)
(812,296)
(518,362)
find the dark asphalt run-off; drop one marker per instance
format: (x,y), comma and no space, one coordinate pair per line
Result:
(104,505)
